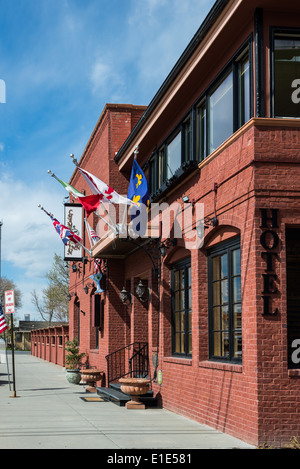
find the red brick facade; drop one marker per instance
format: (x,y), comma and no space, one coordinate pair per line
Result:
(257,167)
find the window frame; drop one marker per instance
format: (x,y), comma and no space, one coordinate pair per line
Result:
(227,247)
(285,31)
(181,265)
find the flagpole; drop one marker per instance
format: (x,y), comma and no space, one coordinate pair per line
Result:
(5,340)
(51,215)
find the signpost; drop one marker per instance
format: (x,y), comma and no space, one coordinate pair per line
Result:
(10,309)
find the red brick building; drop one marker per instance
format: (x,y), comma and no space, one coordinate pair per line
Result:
(221,324)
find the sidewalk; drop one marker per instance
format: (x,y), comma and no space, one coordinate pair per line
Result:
(49,413)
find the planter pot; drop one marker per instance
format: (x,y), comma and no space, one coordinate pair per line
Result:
(73,376)
(90,377)
(134,387)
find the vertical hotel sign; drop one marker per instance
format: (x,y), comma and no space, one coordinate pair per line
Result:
(9,301)
(73,220)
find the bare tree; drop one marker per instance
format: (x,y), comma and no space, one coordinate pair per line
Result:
(53,304)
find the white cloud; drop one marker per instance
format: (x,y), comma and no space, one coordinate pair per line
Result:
(1,146)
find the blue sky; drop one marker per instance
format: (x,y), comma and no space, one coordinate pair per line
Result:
(61,61)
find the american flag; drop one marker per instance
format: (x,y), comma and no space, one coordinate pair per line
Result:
(3,325)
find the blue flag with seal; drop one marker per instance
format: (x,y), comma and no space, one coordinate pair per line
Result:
(138,191)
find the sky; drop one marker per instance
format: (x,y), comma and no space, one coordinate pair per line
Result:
(61,61)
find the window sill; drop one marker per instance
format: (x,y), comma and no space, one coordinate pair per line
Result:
(232,367)
(178,360)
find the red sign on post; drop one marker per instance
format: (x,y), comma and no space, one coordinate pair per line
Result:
(9,302)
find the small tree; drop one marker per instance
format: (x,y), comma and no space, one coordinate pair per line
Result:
(74,357)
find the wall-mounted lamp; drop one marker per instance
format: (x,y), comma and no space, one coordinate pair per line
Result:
(164,246)
(141,290)
(125,296)
(74,267)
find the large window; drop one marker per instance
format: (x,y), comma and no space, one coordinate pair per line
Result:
(181,309)
(225,308)
(173,149)
(286,71)
(221,113)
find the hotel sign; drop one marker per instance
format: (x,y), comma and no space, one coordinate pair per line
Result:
(269,240)
(73,220)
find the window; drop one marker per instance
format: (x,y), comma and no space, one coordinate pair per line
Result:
(187,142)
(286,80)
(152,175)
(181,309)
(225,309)
(173,155)
(244,90)
(161,167)
(201,132)
(293,295)
(225,107)
(221,113)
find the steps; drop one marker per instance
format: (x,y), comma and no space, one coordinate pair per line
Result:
(115,395)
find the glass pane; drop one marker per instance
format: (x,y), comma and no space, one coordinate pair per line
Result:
(224,290)
(217,344)
(236,289)
(225,344)
(244,91)
(174,156)
(287,74)
(176,279)
(237,340)
(216,319)
(221,113)
(237,317)
(187,140)
(201,133)
(225,318)
(224,266)
(236,262)
(216,293)
(216,268)
(161,167)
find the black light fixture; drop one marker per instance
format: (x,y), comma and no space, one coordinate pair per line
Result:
(74,267)
(125,296)
(164,246)
(86,289)
(140,292)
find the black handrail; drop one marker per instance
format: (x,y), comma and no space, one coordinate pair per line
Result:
(131,360)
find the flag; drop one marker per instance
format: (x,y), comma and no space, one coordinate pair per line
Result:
(3,325)
(107,194)
(65,233)
(93,237)
(90,202)
(70,188)
(138,192)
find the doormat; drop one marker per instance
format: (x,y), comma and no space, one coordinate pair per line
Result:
(94,399)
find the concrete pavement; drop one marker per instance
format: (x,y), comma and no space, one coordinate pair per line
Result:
(49,413)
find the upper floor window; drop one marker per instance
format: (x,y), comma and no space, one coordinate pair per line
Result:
(173,151)
(286,74)
(225,107)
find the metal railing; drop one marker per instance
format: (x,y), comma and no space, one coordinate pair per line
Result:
(131,360)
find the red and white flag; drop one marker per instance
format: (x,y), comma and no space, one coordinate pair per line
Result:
(93,237)
(107,194)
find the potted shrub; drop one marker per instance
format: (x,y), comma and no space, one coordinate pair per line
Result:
(73,361)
